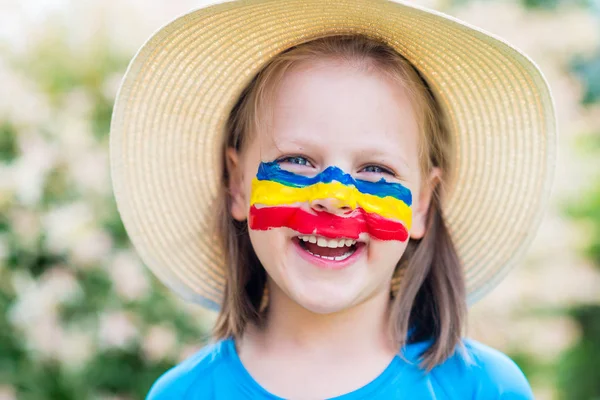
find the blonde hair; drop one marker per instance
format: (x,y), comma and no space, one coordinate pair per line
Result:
(431,298)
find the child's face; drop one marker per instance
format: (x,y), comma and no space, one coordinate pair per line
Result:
(330,114)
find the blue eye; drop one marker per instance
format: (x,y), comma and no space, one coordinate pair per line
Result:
(376,169)
(297,160)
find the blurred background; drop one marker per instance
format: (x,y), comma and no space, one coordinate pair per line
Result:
(81,318)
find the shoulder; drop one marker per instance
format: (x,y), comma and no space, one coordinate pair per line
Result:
(197,370)
(490,373)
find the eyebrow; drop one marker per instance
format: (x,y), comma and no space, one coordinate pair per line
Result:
(373,152)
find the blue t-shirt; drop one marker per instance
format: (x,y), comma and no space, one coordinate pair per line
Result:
(216,372)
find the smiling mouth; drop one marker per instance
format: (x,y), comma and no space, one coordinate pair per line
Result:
(328,249)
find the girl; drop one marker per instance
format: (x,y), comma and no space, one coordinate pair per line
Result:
(338,181)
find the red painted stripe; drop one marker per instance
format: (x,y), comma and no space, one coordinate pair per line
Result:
(327,224)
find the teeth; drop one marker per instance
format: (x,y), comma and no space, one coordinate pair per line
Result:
(339,258)
(324,242)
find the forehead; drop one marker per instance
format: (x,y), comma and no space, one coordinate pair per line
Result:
(339,104)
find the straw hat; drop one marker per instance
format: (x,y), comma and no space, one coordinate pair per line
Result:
(177,93)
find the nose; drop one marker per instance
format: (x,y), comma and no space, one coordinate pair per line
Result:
(333,205)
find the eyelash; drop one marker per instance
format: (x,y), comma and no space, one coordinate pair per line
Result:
(288,159)
(382,170)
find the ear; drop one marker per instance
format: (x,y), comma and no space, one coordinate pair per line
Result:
(421,205)
(238,209)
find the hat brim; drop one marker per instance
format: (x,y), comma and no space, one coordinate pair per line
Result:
(173,104)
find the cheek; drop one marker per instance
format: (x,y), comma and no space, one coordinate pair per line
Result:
(269,246)
(385,254)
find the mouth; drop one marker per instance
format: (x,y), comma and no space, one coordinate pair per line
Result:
(327,252)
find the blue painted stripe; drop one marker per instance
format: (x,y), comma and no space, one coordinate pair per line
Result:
(271,171)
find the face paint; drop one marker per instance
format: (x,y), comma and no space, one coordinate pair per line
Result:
(381,209)
(327,224)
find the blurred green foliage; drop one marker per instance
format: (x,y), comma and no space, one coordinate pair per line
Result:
(125,370)
(578,370)
(551,5)
(59,69)
(8,142)
(579,366)
(588,71)
(587,210)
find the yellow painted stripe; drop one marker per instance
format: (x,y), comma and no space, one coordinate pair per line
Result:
(270,193)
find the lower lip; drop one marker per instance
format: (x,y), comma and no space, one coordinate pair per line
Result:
(325,263)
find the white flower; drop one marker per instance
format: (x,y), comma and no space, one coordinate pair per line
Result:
(38,300)
(21,101)
(78,103)
(29,171)
(61,284)
(64,224)
(76,348)
(30,306)
(46,337)
(117,329)
(76,138)
(7,392)
(92,247)
(26,225)
(35,315)
(90,171)
(3,251)
(128,275)
(159,343)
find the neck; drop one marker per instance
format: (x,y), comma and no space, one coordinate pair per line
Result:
(361,329)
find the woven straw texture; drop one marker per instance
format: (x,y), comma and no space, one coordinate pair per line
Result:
(174,101)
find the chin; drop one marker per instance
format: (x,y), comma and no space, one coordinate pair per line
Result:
(326,308)
(322,301)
